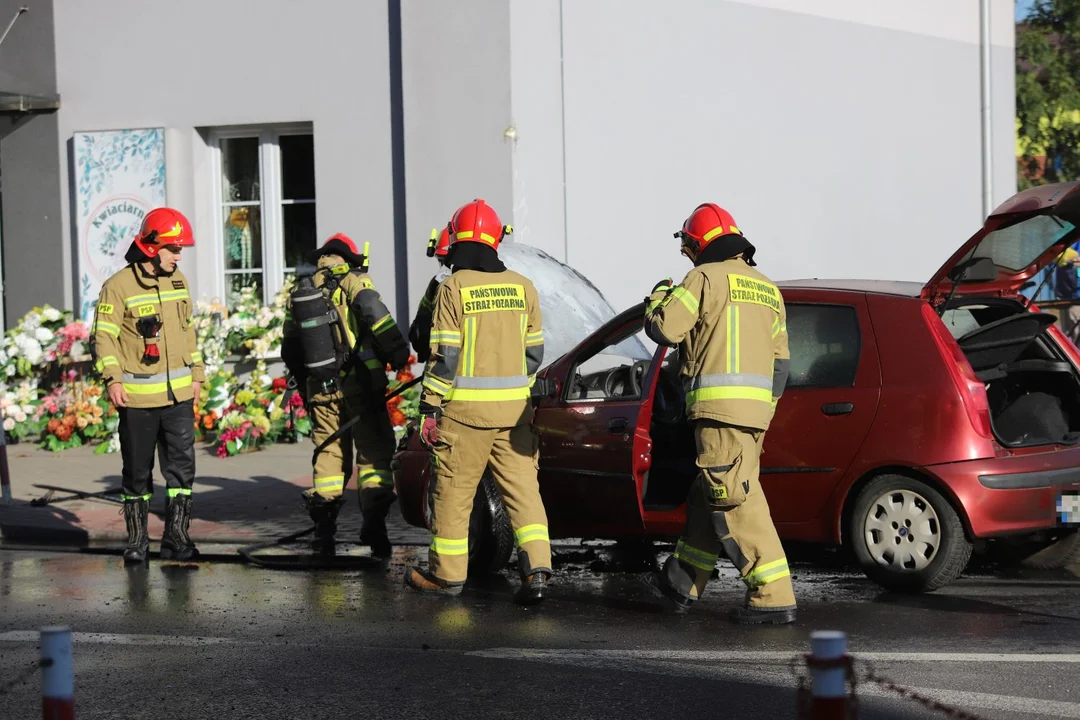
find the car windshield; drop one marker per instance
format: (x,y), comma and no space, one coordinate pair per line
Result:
(572,307)
(1015,247)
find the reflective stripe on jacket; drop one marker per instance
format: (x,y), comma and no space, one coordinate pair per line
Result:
(487,344)
(120,349)
(730,324)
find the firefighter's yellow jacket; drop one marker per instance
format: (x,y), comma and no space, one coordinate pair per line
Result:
(119,348)
(487,344)
(730,324)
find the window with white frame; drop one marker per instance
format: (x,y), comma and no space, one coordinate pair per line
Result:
(265,184)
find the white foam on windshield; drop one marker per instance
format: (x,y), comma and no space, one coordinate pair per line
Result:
(572,306)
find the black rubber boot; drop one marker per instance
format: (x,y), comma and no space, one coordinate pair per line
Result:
(373,534)
(751,616)
(533,581)
(136,513)
(175,542)
(425,582)
(673,583)
(324,514)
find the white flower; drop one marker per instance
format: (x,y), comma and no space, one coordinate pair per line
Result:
(51,314)
(43,335)
(33,353)
(77,349)
(10,369)
(28,409)
(9,424)
(20,416)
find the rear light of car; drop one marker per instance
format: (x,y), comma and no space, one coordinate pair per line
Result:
(972,390)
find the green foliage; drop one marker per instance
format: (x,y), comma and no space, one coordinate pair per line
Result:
(1048,94)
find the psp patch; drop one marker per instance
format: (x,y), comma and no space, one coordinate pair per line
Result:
(105,309)
(178,284)
(745,289)
(493,298)
(145,310)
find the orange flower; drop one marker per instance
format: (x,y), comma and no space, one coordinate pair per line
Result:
(404,375)
(397,418)
(394,401)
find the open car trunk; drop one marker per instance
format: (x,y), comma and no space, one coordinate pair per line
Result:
(1032,387)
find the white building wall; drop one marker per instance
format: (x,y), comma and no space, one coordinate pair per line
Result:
(210,63)
(844,138)
(844,135)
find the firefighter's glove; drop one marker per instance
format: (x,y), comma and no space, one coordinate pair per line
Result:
(149,327)
(428,431)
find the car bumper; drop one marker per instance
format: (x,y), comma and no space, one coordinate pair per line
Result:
(1007,496)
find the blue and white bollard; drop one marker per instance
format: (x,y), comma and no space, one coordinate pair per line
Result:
(57,674)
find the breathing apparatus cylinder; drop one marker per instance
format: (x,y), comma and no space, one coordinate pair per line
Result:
(316,320)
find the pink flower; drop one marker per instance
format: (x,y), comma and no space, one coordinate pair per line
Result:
(301,412)
(222,451)
(296,401)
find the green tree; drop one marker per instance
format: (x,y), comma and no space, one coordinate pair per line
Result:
(1048,93)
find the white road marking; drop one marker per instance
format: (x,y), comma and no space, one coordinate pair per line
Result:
(774,670)
(738,656)
(118,639)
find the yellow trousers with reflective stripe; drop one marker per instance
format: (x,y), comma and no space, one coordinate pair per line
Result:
(727,513)
(373,437)
(462,454)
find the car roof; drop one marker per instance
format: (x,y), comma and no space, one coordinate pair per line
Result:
(880,287)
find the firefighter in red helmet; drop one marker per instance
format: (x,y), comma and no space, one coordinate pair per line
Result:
(730,324)
(143,343)
(486,346)
(370,341)
(420,330)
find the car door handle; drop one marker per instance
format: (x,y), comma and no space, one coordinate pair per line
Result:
(842,408)
(618,425)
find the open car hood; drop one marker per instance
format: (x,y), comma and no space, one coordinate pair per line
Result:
(572,307)
(1021,237)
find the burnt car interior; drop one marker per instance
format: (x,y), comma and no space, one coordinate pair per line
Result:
(1033,389)
(614,370)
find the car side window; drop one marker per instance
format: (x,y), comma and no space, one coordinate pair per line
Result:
(824,342)
(614,371)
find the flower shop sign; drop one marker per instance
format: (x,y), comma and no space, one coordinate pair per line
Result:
(120,176)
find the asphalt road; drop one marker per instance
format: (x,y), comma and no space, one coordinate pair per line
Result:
(226,640)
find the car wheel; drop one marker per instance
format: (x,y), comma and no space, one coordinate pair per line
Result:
(906,536)
(491,537)
(1064,550)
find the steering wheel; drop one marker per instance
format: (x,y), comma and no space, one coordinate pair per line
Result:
(612,382)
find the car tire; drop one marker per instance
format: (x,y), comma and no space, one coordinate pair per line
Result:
(491,537)
(1063,551)
(929,553)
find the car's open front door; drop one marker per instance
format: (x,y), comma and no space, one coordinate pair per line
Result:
(593,449)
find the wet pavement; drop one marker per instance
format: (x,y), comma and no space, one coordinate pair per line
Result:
(229,640)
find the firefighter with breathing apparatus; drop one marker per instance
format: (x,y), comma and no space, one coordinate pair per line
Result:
(338,339)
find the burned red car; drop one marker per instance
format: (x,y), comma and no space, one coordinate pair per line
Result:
(919,421)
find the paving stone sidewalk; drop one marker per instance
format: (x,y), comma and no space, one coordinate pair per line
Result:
(245,499)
